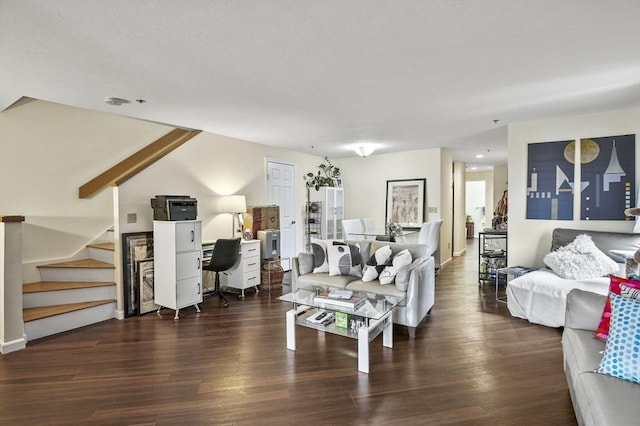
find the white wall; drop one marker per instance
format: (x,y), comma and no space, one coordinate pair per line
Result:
(459,212)
(49,151)
(365,185)
(500,182)
(529,240)
(446,204)
(44,164)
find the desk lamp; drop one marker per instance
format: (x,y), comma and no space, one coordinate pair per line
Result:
(237,206)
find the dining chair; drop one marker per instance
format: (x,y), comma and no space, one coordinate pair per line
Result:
(423,236)
(350,227)
(433,242)
(369,227)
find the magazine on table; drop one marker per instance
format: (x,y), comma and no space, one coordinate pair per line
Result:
(321,318)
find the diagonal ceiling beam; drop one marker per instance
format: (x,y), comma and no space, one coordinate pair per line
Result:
(137,162)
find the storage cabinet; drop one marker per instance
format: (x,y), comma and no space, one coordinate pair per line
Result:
(492,255)
(177,264)
(331,206)
(246,273)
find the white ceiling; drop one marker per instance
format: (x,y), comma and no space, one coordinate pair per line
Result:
(322,76)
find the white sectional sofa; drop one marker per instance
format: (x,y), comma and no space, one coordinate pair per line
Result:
(540,296)
(598,399)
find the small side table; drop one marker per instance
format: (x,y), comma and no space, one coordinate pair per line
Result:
(514,271)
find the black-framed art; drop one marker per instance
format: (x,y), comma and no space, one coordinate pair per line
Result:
(145,284)
(136,246)
(406,200)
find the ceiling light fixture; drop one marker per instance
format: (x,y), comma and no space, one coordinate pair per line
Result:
(363,150)
(115,101)
(479,156)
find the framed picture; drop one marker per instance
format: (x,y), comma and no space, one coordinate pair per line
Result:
(145,284)
(136,247)
(338,182)
(406,200)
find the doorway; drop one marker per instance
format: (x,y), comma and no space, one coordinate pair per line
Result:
(281,191)
(475,203)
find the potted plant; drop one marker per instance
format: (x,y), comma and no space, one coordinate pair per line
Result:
(470,227)
(326,175)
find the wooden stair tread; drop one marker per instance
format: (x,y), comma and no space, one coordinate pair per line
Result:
(31,314)
(103,246)
(62,285)
(84,263)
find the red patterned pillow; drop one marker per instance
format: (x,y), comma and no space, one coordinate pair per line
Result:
(602,331)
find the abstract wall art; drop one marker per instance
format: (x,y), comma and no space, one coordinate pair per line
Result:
(550,175)
(608,169)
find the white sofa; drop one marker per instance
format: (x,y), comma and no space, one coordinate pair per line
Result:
(540,296)
(598,400)
(418,288)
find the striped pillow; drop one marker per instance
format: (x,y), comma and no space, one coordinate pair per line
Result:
(616,285)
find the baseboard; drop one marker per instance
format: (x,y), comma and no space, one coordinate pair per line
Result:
(12,346)
(459,253)
(119,315)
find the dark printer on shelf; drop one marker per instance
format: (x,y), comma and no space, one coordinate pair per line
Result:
(174,207)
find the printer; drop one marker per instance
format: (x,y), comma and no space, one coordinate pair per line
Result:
(174,207)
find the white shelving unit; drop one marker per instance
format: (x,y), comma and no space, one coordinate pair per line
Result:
(331,201)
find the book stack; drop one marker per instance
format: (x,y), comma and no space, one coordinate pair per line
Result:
(351,304)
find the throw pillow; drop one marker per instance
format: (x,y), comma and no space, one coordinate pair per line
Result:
(388,274)
(320,260)
(344,259)
(376,263)
(621,357)
(615,287)
(580,259)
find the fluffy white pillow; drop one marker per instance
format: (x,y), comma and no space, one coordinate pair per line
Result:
(580,259)
(320,258)
(402,258)
(376,263)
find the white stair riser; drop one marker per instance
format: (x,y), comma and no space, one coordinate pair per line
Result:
(101,254)
(60,297)
(76,274)
(59,323)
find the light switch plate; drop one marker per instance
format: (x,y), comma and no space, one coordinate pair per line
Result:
(432,210)
(132,218)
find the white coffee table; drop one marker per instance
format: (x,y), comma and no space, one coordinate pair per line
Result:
(375,316)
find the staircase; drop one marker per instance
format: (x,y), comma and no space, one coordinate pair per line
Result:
(71,294)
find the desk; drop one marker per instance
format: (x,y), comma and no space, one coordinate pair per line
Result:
(245,273)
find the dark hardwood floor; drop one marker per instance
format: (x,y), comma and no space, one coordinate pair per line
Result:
(471,363)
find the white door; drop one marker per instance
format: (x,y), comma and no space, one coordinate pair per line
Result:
(281,191)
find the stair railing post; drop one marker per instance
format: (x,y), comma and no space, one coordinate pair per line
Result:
(12,337)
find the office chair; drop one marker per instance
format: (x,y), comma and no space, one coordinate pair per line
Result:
(226,253)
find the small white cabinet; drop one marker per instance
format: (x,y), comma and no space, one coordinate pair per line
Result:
(246,272)
(177,258)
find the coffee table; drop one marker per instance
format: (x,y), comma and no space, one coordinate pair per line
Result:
(365,323)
